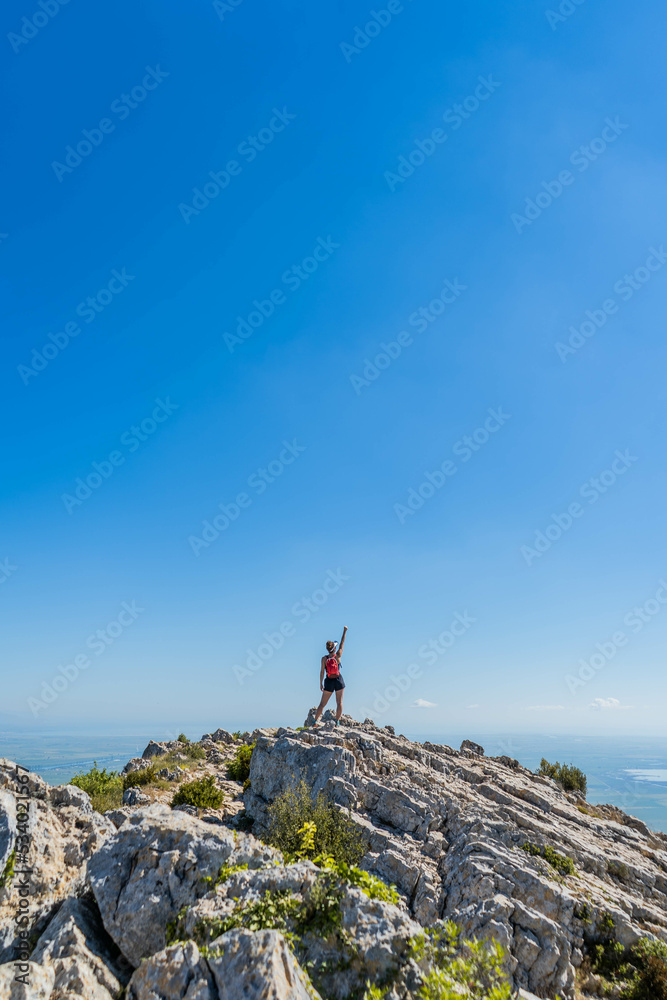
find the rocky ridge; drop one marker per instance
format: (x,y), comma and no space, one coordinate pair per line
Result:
(133,904)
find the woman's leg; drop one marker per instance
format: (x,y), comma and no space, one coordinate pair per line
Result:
(320,708)
(339,703)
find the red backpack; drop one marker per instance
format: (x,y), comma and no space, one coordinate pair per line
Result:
(332,667)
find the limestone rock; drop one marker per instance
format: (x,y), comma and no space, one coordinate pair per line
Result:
(7,828)
(64,833)
(85,960)
(155,750)
(219,736)
(257,966)
(250,966)
(155,864)
(117,816)
(371,944)
(448,828)
(133,796)
(137,764)
(40,981)
(177,973)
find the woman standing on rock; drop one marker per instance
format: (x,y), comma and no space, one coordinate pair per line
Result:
(333,681)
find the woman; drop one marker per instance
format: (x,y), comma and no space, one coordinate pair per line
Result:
(331,678)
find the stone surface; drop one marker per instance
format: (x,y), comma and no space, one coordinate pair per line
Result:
(117,816)
(64,833)
(7,827)
(40,979)
(447,827)
(257,966)
(251,966)
(135,797)
(219,736)
(83,957)
(177,973)
(155,864)
(371,943)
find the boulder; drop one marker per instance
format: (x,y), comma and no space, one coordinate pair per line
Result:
(82,955)
(258,966)
(219,736)
(177,973)
(155,750)
(250,966)
(472,747)
(133,796)
(156,863)
(64,833)
(366,942)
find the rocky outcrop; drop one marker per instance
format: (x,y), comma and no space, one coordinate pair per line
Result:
(156,864)
(155,903)
(64,832)
(250,966)
(84,959)
(449,827)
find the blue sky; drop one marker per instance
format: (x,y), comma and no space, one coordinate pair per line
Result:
(416,318)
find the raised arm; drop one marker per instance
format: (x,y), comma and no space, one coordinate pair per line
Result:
(342,641)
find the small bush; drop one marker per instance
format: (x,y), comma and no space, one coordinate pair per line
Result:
(461,968)
(238,768)
(8,871)
(374,887)
(335,835)
(562,864)
(202,793)
(271,912)
(182,738)
(137,779)
(104,787)
(649,981)
(570,777)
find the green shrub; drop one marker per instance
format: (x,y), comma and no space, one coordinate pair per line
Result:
(335,836)
(271,912)
(8,871)
(202,793)
(182,738)
(137,779)
(374,992)
(570,777)
(238,768)
(460,968)
(104,787)
(649,982)
(562,864)
(374,887)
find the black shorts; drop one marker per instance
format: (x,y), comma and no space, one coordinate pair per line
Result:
(334,683)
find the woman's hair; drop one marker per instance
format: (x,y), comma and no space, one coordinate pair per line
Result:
(331,645)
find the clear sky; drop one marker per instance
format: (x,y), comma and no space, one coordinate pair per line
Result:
(326,314)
